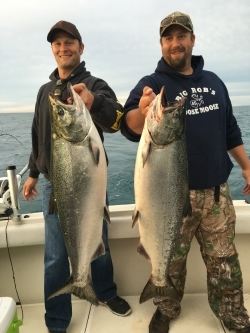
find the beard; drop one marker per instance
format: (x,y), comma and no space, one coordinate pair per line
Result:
(177,62)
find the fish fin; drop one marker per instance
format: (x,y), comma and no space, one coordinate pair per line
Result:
(142,251)
(150,291)
(146,152)
(95,151)
(52,204)
(67,289)
(187,209)
(100,251)
(106,214)
(135,217)
(85,292)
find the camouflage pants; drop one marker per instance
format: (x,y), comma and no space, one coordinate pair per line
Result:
(213,225)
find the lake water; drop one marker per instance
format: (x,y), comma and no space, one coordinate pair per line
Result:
(121,153)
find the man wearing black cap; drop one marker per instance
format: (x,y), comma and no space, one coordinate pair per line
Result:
(211,131)
(67,47)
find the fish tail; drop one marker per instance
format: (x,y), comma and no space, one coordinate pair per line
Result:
(100,251)
(150,290)
(86,292)
(106,214)
(67,289)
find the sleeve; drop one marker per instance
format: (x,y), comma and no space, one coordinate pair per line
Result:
(106,111)
(33,171)
(133,103)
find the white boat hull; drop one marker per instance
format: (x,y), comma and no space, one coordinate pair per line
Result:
(131,270)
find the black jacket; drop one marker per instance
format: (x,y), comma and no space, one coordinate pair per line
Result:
(211,128)
(106,113)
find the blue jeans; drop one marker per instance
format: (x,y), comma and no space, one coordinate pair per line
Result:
(57,270)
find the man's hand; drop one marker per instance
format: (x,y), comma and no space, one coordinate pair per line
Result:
(240,155)
(85,94)
(29,188)
(135,118)
(246,175)
(147,97)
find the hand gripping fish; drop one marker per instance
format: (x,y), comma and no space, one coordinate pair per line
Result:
(79,181)
(161,189)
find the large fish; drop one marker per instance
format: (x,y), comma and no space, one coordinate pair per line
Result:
(79,180)
(161,189)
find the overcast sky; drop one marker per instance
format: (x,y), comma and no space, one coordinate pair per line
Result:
(121,40)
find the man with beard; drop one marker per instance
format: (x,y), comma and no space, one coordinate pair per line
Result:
(67,48)
(211,132)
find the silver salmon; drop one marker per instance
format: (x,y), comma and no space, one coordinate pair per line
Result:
(161,189)
(79,181)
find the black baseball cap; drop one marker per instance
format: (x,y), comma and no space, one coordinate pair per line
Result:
(65,26)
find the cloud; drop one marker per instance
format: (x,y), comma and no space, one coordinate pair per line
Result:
(121,41)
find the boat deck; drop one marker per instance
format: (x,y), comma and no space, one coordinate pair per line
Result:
(195,317)
(131,271)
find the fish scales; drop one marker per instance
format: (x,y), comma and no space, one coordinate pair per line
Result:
(79,180)
(161,189)
(78,185)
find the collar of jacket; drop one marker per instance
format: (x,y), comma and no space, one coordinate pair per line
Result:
(80,69)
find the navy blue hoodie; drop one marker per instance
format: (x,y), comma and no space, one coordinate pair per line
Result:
(211,128)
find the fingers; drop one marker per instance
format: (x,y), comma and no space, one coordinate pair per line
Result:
(246,189)
(147,97)
(28,195)
(29,188)
(79,87)
(246,176)
(28,192)
(85,94)
(148,94)
(147,91)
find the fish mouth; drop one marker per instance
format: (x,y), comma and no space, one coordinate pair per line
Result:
(170,106)
(70,91)
(69,119)
(164,106)
(67,99)
(69,102)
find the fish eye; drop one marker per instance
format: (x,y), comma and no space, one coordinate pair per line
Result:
(60,112)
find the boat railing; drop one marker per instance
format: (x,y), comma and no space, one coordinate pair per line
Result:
(9,191)
(30,230)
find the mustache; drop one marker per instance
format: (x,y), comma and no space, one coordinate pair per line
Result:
(178,49)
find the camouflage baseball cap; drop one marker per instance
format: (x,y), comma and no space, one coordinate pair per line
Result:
(178,18)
